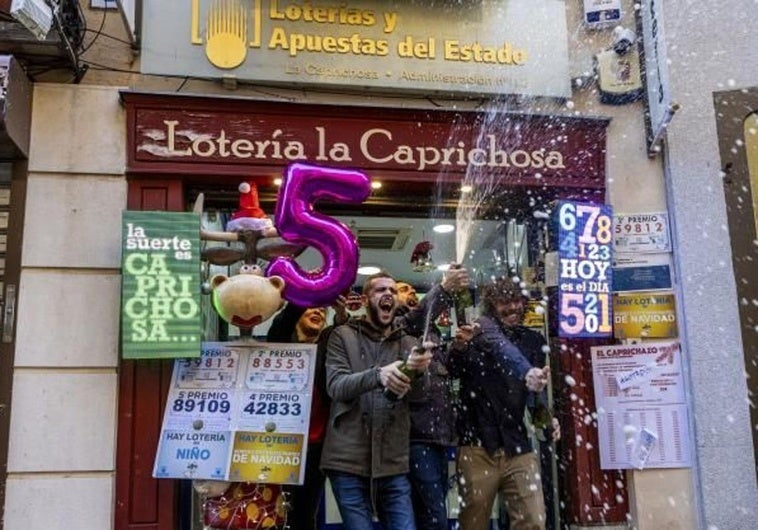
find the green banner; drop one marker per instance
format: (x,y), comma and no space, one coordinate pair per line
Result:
(160,288)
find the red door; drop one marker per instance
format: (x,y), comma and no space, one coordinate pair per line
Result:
(590,495)
(143,502)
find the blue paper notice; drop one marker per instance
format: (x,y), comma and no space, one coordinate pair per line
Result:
(188,454)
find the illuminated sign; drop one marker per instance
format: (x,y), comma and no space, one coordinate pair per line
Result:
(160,289)
(584,269)
(476,47)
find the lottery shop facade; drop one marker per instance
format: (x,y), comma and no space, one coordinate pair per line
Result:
(180,145)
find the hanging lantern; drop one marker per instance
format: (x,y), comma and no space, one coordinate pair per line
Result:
(421,257)
(444,319)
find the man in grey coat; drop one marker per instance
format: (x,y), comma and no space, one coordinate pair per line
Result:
(365,452)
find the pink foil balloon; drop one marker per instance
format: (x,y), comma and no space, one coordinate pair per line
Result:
(298,222)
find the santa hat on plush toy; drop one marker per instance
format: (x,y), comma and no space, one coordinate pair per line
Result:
(249,216)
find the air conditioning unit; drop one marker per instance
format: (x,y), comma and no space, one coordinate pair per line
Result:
(43,36)
(34,15)
(382,238)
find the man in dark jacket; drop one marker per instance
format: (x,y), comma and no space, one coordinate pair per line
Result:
(494,453)
(366,448)
(432,429)
(547,429)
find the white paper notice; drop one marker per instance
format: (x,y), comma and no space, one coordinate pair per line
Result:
(643,232)
(642,411)
(244,398)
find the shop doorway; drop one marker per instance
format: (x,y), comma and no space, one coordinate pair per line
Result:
(516,166)
(505,236)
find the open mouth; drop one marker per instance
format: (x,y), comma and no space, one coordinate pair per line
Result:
(354,302)
(411,302)
(386,303)
(246,322)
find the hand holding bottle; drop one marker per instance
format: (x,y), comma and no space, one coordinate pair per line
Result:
(456,279)
(420,357)
(397,377)
(543,420)
(463,336)
(394,379)
(536,378)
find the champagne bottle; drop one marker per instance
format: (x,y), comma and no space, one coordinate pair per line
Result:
(407,371)
(464,307)
(542,420)
(541,416)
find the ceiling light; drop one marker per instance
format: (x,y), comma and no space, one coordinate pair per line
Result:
(278,181)
(443,228)
(467,188)
(375,184)
(368,270)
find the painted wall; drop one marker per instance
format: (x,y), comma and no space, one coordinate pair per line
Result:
(62,442)
(709,47)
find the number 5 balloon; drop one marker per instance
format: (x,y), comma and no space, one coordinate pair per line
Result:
(297,222)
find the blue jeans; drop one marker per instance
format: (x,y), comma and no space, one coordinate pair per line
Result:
(428,476)
(392,496)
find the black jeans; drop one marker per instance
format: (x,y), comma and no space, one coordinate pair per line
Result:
(428,475)
(305,500)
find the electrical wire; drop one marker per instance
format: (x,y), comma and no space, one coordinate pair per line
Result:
(102,34)
(97,35)
(180,87)
(260,87)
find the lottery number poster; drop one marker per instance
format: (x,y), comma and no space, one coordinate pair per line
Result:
(239,412)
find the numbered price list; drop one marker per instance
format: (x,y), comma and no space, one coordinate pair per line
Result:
(641,403)
(584,269)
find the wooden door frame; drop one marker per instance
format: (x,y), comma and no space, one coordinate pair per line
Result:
(732,109)
(143,502)
(8,349)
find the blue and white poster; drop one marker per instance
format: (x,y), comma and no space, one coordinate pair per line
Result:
(600,13)
(585,275)
(193,454)
(233,388)
(641,272)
